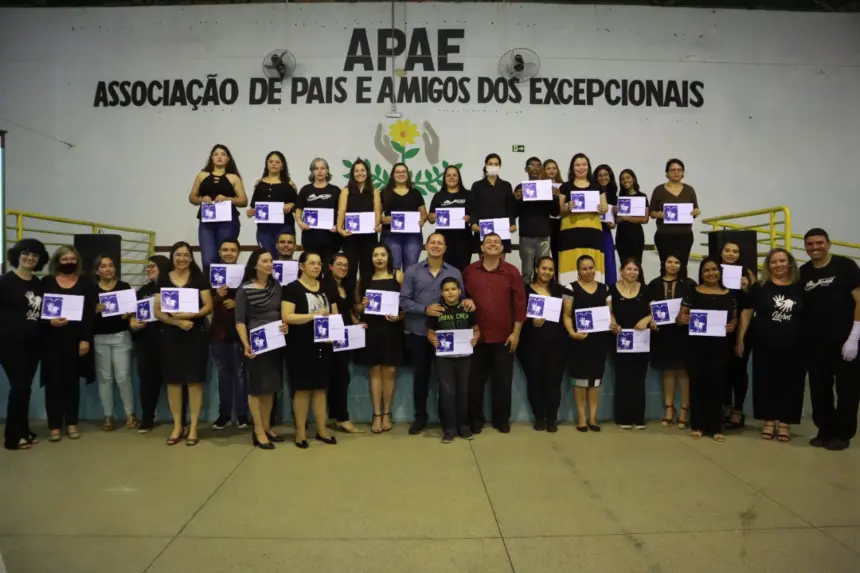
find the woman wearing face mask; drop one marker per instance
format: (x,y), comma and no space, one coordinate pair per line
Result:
(630,308)
(605,178)
(542,351)
(400,196)
(184,343)
(112,348)
(492,198)
(458,240)
(67,344)
(338,389)
(552,172)
(587,356)
(629,235)
(274,187)
(775,306)
(581,233)
(20,312)
(146,347)
(707,355)
(358,196)
(669,341)
(383,352)
(673,238)
(218,182)
(319,194)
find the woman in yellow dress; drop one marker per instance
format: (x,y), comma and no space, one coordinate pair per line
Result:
(581,233)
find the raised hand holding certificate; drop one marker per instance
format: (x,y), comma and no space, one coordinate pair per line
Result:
(451,218)
(584,201)
(267,338)
(708,323)
(596,319)
(363,223)
(540,190)
(68,306)
(500,226)
(631,206)
(146,310)
(405,222)
(454,342)
(328,328)
(633,341)
(545,307)
(732,275)
(319,218)
(226,275)
(180,300)
(665,311)
(382,302)
(285,272)
(118,302)
(354,337)
(216,212)
(678,213)
(269,212)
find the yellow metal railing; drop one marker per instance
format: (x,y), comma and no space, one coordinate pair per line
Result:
(136,247)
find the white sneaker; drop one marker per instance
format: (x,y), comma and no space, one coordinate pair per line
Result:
(625,427)
(640,427)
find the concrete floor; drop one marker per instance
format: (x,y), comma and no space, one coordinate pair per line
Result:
(619,501)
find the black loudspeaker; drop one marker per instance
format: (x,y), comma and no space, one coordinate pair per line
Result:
(746,240)
(91,246)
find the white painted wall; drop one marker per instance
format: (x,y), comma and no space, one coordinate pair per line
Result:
(779,123)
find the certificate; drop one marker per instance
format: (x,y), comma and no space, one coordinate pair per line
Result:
(319,218)
(285,272)
(584,201)
(451,218)
(226,275)
(180,300)
(631,207)
(382,302)
(353,339)
(269,212)
(708,323)
(146,310)
(608,217)
(405,222)
(537,190)
(118,302)
(216,212)
(665,311)
(68,306)
(328,328)
(678,213)
(363,223)
(546,307)
(633,341)
(732,275)
(596,319)
(454,342)
(267,337)
(500,226)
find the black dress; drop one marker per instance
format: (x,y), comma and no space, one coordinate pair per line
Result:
(308,362)
(384,343)
(630,237)
(669,341)
(587,358)
(706,362)
(184,353)
(630,368)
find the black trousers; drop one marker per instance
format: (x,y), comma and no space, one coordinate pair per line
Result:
(20,362)
(630,373)
(422,355)
(707,366)
(779,376)
(544,370)
(338,387)
(671,244)
(62,387)
(554,232)
(737,380)
(359,251)
(827,370)
(322,243)
(630,244)
(491,360)
(149,372)
(453,376)
(458,252)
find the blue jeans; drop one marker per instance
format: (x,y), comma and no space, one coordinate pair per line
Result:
(113,366)
(210,235)
(232,386)
(267,235)
(405,248)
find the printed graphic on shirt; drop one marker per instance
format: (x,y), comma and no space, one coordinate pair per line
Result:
(320,197)
(782,308)
(316,302)
(34,305)
(825,282)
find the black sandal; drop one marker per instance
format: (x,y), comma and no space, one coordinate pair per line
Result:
(666,422)
(376,430)
(765,434)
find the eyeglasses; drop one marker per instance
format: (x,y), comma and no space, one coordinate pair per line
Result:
(29,254)
(341,265)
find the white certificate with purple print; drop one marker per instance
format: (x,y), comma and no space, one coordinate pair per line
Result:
(68,306)
(180,300)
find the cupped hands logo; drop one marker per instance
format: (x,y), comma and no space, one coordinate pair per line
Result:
(396,146)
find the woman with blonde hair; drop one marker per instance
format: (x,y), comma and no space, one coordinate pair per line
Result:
(67,344)
(775,305)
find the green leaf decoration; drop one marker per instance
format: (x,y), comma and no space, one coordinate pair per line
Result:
(409,154)
(436,170)
(347,163)
(428,175)
(459,165)
(418,176)
(445,164)
(377,170)
(397,147)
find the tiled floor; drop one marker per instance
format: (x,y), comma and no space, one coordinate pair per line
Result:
(652,501)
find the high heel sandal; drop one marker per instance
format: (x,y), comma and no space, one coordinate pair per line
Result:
(742,419)
(376,430)
(765,434)
(784,434)
(682,424)
(669,420)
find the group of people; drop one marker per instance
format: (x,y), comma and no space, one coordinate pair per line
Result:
(790,320)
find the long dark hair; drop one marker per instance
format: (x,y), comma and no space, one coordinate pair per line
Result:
(460,185)
(611,188)
(571,176)
(97,262)
(705,261)
(682,270)
(285,170)
(364,281)
(630,172)
(635,261)
(552,282)
(303,259)
(193,268)
(231,163)
(388,190)
(352,184)
(162,263)
(251,265)
(487,160)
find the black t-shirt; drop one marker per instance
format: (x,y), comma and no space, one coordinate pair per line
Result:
(778,313)
(445,199)
(20,307)
(391,201)
(534,216)
(307,302)
(452,318)
(311,197)
(829,305)
(282,192)
(110,324)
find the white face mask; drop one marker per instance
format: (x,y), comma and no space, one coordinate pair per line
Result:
(493,170)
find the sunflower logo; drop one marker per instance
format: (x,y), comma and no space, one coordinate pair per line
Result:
(402,133)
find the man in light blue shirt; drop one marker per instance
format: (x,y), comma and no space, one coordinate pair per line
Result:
(420,297)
